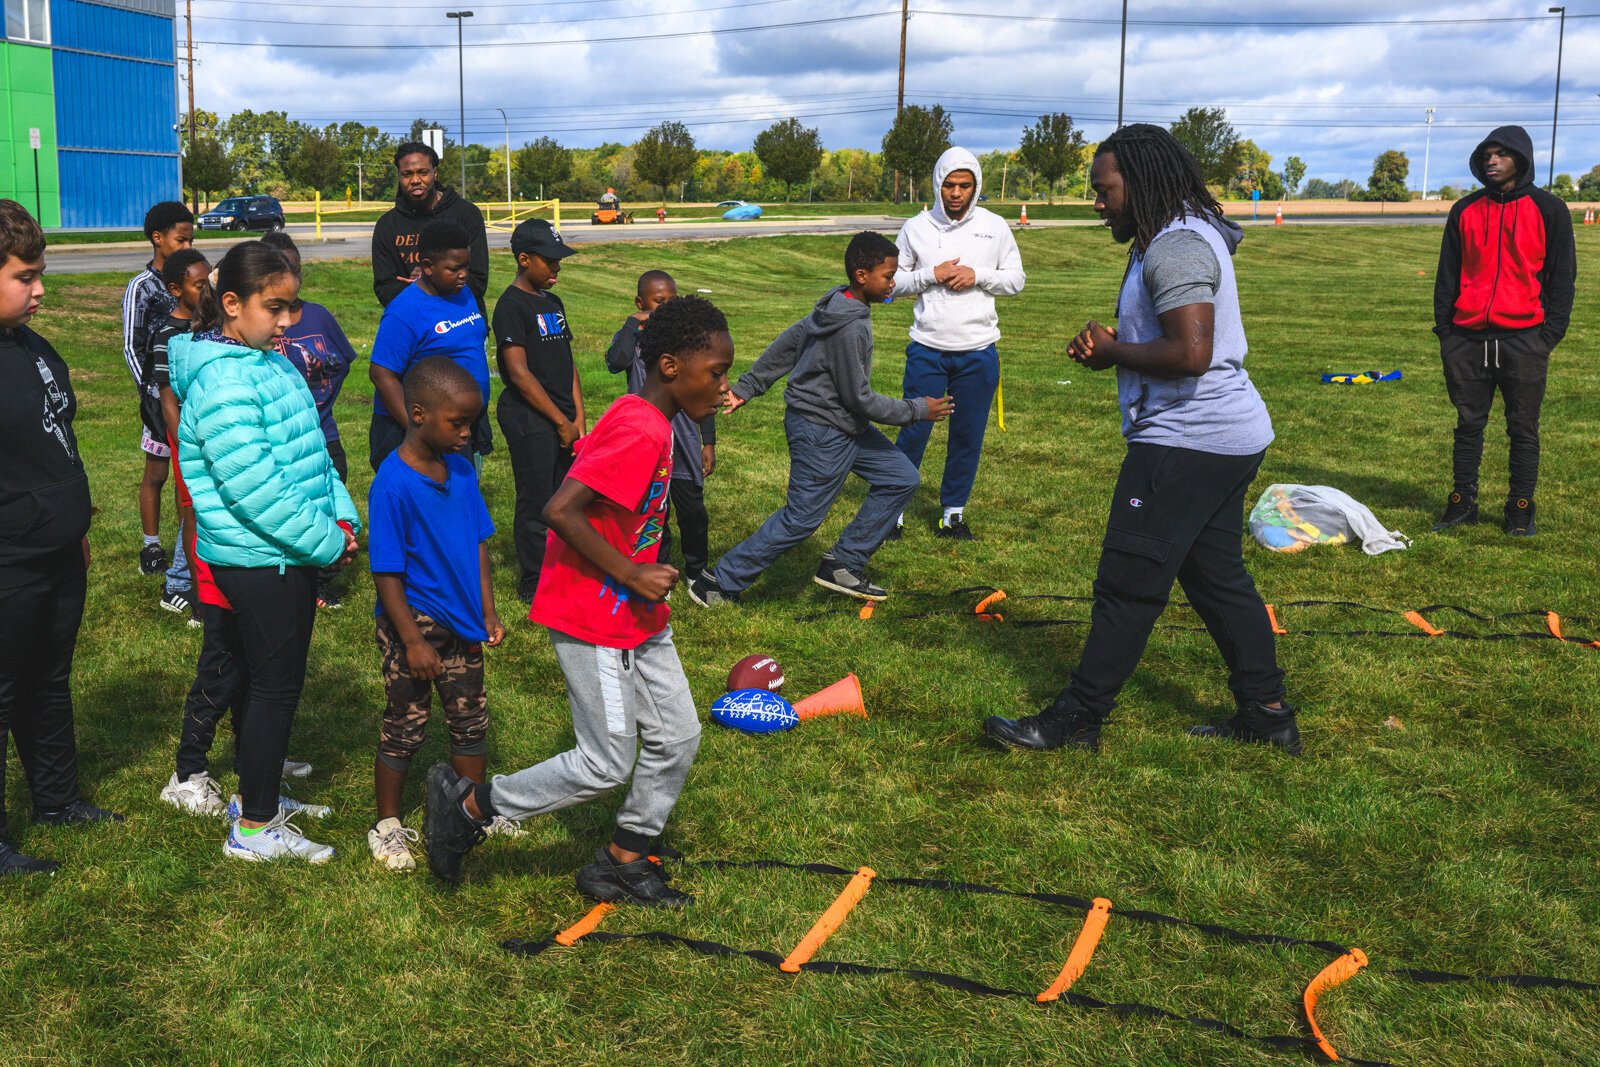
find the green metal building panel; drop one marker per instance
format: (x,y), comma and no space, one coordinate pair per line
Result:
(27,101)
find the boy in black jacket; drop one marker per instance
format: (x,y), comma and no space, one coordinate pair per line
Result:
(828,357)
(419,200)
(44,547)
(1501,302)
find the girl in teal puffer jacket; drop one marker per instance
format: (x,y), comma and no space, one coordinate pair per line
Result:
(269,511)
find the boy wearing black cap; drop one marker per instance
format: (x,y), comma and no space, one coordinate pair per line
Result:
(541,406)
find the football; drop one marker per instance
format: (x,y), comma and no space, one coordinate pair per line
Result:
(755,711)
(756,672)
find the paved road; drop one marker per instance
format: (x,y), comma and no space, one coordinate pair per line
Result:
(354,240)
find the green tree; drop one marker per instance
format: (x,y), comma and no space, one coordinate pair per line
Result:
(1253,171)
(1052,149)
(1294,168)
(543,164)
(1565,188)
(1212,140)
(915,142)
(317,163)
(1388,180)
(665,156)
(207,168)
(260,144)
(1589,184)
(789,152)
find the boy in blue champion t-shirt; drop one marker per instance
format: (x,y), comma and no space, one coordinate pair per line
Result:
(428,526)
(436,315)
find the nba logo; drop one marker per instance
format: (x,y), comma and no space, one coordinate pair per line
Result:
(552,324)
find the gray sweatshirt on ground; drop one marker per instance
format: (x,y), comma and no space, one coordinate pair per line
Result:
(828,357)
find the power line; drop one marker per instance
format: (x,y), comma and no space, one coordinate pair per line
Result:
(631,16)
(1269,24)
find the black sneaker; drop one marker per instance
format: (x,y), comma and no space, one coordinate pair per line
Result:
(954,528)
(329,600)
(896,532)
(1519,517)
(1258,724)
(1460,510)
(448,832)
(831,574)
(176,602)
(639,882)
(704,590)
(76,812)
(152,560)
(196,622)
(1057,726)
(14,862)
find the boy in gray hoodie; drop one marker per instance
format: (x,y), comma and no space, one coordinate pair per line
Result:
(831,408)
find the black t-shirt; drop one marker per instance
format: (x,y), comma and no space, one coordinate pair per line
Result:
(536,323)
(44,490)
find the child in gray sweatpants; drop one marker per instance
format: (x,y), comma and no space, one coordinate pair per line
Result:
(602,596)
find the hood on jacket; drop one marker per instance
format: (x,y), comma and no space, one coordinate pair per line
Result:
(447,196)
(1520,144)
(836,310)
(188,352)
(954,159)
(1232,233)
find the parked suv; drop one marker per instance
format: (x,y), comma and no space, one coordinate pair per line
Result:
(244,213)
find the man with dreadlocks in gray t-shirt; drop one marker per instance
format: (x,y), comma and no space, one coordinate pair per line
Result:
(1197,432)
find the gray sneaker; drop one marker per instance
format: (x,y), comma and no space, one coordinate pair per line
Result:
(704,590)
(831,574)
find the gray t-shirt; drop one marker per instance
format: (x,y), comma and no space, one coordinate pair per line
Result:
(1179,270)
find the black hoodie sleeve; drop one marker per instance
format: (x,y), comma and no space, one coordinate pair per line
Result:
(1557,279)
(624,346)
(386,284)
(471,219)
(1447,280)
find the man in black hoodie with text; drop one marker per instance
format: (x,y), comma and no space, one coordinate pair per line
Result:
(1501,302)
(418,201)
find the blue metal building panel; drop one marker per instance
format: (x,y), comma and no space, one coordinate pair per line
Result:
(112,30)
(115,104)
(110,189)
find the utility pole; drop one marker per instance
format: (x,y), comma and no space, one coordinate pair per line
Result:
(900,98)
(461,75)
(361,188)
(1427,147)
(1122,62)
(188,34)
(508,157)
(1556,118)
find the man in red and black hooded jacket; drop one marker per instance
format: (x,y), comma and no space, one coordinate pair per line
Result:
(1501,302)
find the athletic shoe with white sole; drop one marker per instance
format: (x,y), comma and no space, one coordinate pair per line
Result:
(390,842)
(831,574)
(278,839)
(286,805)
(199,794)
(152,560)
(176,602)
(500,826)
(296,769)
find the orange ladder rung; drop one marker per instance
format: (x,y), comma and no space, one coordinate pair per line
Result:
(1094,924)
(830,920)
(585,925)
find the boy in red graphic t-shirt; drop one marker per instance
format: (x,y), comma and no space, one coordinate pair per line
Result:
(602,595)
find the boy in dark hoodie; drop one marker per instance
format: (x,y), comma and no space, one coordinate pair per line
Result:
(828,357)
(1501,302)
(419,200)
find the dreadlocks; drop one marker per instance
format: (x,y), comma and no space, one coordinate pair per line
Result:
(1161,179)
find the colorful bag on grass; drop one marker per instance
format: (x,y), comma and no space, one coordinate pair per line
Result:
(1289,518)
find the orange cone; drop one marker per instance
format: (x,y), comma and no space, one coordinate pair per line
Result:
(1277,220)
(842,697)
(1024,220)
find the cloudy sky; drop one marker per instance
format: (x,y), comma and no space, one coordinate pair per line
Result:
(1333,82)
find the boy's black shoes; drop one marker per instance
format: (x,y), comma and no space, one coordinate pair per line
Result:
(1519,517)
(831,574)
(152,559)
(1258,724)
(14,862)
(954,528)
(1058,726)
(897,531)
(639,882)
(1460,510)
(178,603)
(76,812)
(448,832)
(704,590)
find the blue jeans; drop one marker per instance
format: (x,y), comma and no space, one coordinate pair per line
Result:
(968,378)
(178,580)
(820,458)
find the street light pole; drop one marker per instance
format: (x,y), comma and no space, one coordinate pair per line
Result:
(1122,62)
(508,156)
(1427,146)
(1561,41)
(461,75)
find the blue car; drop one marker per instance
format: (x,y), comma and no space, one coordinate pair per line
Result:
(742,211)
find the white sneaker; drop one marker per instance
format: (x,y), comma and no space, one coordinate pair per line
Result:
(390,843)
(500,826)
(286,805)
(296,769)
(197,795)
(279,839)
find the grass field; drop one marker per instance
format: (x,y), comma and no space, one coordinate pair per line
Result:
(1460,836)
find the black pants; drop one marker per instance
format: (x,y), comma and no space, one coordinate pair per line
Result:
(1176,513)
(538,464)
(271,625)
(694,525)
(43,605)
(1473,370)
(221,681)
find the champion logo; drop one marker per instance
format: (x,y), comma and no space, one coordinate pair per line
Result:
(446,325)
(1136,503)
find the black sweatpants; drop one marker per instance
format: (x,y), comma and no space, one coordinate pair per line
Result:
(221,681)
(538,464)
(43,605)
(694,525)
(1176,513)
(271,623)
(1474,369)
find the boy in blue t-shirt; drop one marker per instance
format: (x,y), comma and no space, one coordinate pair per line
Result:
(436,315)
(428,528)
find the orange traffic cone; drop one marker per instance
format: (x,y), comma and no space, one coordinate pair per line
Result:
(843,696)
(1588,217)
(1277,220)
(1024,220)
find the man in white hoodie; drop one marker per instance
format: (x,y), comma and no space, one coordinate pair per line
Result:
(955,258)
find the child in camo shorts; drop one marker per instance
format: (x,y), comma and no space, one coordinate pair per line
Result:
(429,529)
